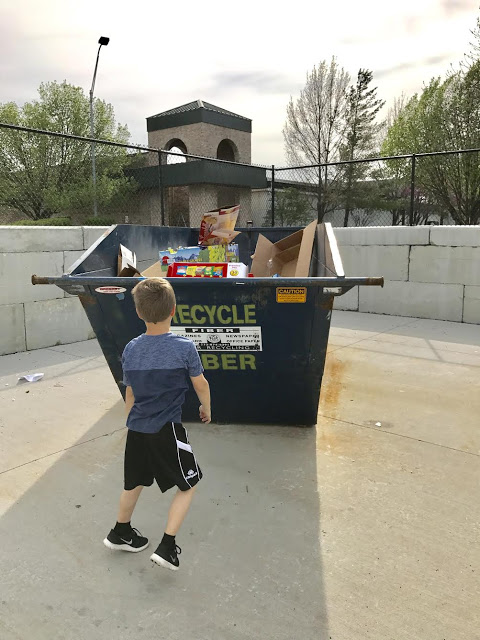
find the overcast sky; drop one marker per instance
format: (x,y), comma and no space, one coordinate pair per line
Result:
(248,57)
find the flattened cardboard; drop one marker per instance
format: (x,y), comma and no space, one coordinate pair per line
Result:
(289,257)
(260,258)
(155,271)
(130,272)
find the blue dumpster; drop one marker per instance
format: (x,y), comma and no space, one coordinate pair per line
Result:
(262,341)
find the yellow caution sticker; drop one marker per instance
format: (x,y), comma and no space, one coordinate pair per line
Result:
(296,295)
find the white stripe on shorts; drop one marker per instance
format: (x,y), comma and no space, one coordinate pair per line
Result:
(185,447)
(196,463)
(178,454)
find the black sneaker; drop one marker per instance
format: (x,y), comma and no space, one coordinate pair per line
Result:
(133,542)
(167,556)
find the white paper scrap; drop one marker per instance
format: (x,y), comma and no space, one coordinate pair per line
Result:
(32,377)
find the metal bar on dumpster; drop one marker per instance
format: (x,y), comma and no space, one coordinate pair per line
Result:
(222,282)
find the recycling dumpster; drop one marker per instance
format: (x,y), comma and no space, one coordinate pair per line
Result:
(262,341)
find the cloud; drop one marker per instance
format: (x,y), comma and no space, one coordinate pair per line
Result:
(264,81)
(451,7)
(405,66)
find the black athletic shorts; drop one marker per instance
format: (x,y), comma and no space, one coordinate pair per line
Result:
(165,456)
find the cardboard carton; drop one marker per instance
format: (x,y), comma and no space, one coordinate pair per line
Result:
(155,271)
(192,254)
(237,270)
(197,270)
(220,253)
(289,258)
(127,263)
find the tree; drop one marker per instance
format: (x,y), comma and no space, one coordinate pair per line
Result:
(44,175)
(393,174)
(394,112)
(292,207)
(361,137)
(314,130)
(474,53)
(445,117)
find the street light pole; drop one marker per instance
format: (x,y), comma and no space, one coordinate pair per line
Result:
(102,41)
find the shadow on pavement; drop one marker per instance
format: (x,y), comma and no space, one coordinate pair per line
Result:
(250,567)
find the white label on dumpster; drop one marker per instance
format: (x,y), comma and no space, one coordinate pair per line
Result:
(111,290)
(222,338)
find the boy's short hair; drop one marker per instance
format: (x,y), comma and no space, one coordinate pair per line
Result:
(154,299)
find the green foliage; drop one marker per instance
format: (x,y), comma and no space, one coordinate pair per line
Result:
(361,139)
(100,221)
(42,175)
(445,117)
(293,208)
(47,222)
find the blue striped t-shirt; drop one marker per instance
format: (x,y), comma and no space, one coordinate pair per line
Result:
(157,368)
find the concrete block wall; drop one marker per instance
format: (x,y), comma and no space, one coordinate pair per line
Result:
(430,272)
(32,317)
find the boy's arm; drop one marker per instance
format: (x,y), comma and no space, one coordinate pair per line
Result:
(202,389)
(129,399)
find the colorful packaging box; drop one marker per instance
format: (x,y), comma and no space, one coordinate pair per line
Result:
(192,254)
(217,253)
(197,270)
(218,226)
(232,253)
(237,270)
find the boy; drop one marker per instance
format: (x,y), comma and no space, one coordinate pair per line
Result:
(156,366)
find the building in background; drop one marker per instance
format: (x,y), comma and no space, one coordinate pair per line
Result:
(193,186)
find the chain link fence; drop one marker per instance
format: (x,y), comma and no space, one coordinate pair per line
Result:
(418,189)
(48,178)
(358,194)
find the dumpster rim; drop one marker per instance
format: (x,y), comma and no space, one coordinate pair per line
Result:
(333,281)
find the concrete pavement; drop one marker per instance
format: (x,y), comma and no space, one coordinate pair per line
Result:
(366,527)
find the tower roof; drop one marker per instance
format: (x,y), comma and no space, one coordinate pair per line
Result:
(198,111)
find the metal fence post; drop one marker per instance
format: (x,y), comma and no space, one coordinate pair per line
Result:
(324,194)
(160,187)
(412,190)
(273,196)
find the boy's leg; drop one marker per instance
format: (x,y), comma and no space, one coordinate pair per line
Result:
(137,475)
(128,500)
(122,537)
(178,510)
(166,554)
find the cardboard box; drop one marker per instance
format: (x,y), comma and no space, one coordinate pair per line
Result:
(289,258)
(155,271)
(127,263)
(237,270)
(197,270)
(232,253)
(229,252)
(192,254)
